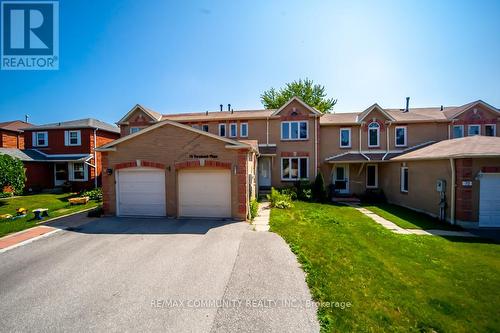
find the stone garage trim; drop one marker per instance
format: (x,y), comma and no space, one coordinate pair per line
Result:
(139,163)
(205,163)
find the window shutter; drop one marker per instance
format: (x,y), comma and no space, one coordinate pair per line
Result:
(66,138)
(33,139)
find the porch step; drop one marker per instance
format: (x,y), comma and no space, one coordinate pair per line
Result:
(351,200)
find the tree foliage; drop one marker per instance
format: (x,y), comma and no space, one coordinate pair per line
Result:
(12,173)
(312,94)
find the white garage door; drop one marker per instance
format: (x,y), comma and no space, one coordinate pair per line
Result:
(141,192)
(489,201)
(205,193)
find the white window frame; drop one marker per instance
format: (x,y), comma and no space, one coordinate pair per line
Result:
(405,130)
(246,130)
(298,122)
(348,129)
(71,172)
(221,125)
(473,125)
(35,139)
(458,126)
(299,170)
(494,126)
(231,127)
(134,130)
(401,179)
(204,127)
(376,176)
(378,134)
(67,138)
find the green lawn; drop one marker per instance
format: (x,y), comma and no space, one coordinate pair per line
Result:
(407,218)
(56,203)
(395,283)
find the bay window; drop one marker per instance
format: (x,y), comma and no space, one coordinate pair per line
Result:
(294,168)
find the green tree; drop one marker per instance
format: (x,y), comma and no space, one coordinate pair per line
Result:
(12,173)
(312,94)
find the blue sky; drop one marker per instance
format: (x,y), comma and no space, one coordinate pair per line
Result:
(185,56)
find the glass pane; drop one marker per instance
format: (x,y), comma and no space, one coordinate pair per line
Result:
(222,130)
(473,130)
(340,173)
(294,171)
(285,128)
(400,136)
(488,130)
(295,131)
(303,168)
(244,130)
(78,172)
(458,132)
(303,130)
(233,129)
(286,168)
(344,138)
(371,175)
(373,137)
(405,179)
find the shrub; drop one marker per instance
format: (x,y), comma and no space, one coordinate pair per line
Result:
(280,200)
(97,212)
(318,188)
(95,194)
(12,173)
(254,208)
(5,194)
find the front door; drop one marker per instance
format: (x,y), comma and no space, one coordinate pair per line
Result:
(264,172)
(61,173)
(341,178)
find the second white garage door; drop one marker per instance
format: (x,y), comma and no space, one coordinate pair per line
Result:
(489,200)
(204,193)
(141,192)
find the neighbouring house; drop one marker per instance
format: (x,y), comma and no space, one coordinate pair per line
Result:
(11,134)
(63,154)
(358,153)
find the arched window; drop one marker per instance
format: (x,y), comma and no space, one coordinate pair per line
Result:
(373,134)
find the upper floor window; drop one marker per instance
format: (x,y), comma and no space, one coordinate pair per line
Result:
(293,168)
(134,130)
(490,130)
(244,130)
(458,131)
(40,139)
(72,138)
(373,134)
(204,128)
(233,130)
(345,138)
(400,136)
(222,129)
(474,130)
(294,130)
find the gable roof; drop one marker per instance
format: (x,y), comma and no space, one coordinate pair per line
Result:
(375,106)
(455,112)
(153,114)
(14,125)
(162,123)
(470,146)
(297,99)
(79,123)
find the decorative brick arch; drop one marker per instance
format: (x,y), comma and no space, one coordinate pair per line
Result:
(202,163)
(139,163)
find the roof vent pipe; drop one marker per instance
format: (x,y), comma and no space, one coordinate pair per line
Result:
(442,108)
(206,113)
(229,107)
(26,117)
(407,104)
(221,106)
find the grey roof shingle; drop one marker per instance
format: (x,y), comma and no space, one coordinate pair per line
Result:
(33,155)
(80,123)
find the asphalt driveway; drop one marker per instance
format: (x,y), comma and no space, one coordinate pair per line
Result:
(114,274)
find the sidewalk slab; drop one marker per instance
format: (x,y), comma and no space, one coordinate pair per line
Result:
(25,235)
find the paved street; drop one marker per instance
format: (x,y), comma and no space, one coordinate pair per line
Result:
(113,274)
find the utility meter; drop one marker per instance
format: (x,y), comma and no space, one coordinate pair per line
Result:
(441,185)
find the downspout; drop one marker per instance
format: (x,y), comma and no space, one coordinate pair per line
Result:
(315,147)
(387,137)
(449,131)
(95,158)
(359,137)
(267,130)
(452,190)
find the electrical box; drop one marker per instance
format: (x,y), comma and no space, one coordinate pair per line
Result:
(441,185)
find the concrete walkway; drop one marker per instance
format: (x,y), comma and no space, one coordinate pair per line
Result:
(261,222)
(398,230)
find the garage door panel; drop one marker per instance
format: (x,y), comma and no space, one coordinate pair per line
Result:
(489,201)
(205,193)
(141,192)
